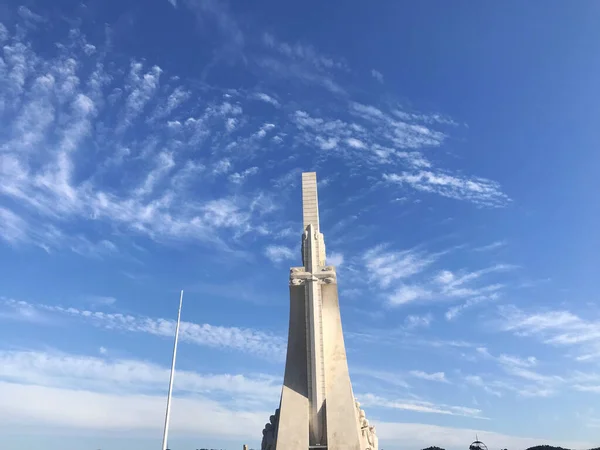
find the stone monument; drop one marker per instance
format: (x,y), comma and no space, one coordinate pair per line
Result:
(317,409)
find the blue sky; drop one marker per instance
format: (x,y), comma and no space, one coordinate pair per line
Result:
(148,147)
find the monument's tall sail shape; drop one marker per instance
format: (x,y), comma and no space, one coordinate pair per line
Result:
(317,409)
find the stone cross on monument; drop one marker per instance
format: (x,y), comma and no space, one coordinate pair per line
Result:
(317,408)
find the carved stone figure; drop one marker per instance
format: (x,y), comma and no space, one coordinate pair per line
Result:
(368,432)
(270,432)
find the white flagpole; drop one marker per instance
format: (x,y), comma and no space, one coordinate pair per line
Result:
(168,414)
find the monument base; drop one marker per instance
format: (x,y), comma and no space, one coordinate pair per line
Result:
(346,426)
(368,438)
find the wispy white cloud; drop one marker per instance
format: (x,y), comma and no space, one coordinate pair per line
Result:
(397,133)
(267,99)
(262,132)
(476,380)
(335,259)
(29,15)
(186,130)
(302,52)
(235,338)
(480,191)
(279,253)
(377,75)
(53,98)
(326,143)
(456,285)
(588,388)
(232,40)
(302,72)
(434,118)
(231,123)
(413,321)
(585,382)
(222,166)
(420,406)
(558,328)
(409,293)
(124,375)
(437,376)
(376,141)
(355,143)
(300,62)
(489,247)
(522,379)
(21,311)
(454,311)
(413,159)
(391,378)
(378,138)
(101,300)
(178,97)
(13,229)
(530,361)
(240,177)
(85,247)
(407,275)
(3,33)
(141,88)
(462,286)
(164,164)
(386,266)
